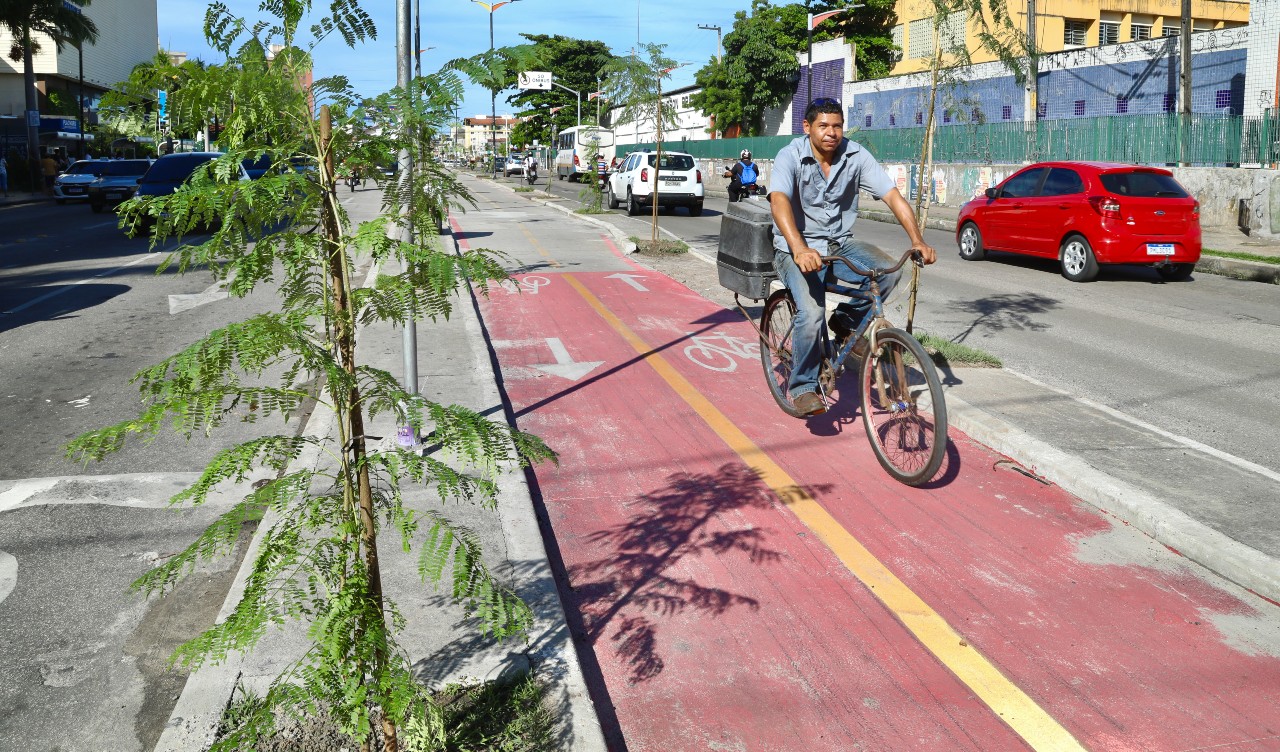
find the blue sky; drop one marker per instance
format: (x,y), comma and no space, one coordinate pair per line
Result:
(460,28)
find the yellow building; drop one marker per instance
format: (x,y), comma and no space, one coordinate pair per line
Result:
(1061,25)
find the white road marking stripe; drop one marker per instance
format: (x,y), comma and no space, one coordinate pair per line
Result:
(61,290)
(1239,462)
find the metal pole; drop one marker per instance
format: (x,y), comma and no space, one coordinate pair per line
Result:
(80,97)
(493,108)
(405,177)
(1184,115)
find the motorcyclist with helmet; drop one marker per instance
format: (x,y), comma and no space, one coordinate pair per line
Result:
(743,176)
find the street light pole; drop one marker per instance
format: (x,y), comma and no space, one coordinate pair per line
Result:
(493,93)
(813,21)
(405,180)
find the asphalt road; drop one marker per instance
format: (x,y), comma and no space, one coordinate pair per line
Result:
(1198,359)
(81,311)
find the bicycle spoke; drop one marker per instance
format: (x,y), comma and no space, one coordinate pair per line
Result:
(902,409)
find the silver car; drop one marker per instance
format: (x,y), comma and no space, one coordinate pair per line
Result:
(73,183)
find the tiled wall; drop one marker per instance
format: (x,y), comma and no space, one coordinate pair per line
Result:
(828,81)
(1261,74)
(1131,78)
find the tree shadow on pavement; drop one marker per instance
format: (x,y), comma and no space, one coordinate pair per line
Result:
(1011,311)
(642,577)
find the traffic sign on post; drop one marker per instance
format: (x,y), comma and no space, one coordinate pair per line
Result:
(539,80)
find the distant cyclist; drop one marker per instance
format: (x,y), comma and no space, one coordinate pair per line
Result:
(742,175)
(814,199)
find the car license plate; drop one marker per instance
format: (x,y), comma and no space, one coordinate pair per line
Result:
(73,190)
(671,182)
(112,194)
(1159,249)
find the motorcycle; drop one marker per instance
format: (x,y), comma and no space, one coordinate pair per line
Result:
(743,191)
(531,174)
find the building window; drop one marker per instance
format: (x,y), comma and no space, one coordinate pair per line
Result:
(1140,32)
(1122,104)
(893,119)
(1222,98)
(1108,32)
(1042,110)
(868,121)
(1172,30)
(976,114)
(1079,109)
(1168,102)
(1006,113)
(1073,33)
(919,118)
(946,116)
(951,32)
(897,32)
(920,38)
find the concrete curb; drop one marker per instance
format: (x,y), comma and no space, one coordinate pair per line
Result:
(1171,527)
(552,654)
(1250,271)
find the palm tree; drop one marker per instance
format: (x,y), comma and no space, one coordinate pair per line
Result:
(61,20)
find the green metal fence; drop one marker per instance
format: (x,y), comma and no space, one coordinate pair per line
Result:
(1204,139)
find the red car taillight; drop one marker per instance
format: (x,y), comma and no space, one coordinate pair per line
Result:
(1106,206)
(644,175)
(1195,211)
(699,176)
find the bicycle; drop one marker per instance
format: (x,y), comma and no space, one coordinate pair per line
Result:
(905,420)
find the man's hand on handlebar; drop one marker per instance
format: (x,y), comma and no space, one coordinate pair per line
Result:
(808,260)
(927,254)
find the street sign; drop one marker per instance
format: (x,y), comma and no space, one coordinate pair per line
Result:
(539,80)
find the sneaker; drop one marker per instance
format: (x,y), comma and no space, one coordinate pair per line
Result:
(809,403)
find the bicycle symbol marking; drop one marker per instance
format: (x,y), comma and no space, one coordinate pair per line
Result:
(718,351)
(529,284)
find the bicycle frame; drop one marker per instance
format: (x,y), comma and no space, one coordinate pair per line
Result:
(834,361)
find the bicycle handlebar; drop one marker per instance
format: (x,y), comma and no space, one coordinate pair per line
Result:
(859,269)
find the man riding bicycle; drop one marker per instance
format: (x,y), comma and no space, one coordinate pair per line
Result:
(814,201)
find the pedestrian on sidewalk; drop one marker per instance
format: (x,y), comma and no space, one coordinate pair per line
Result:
(49,169)
(4,176)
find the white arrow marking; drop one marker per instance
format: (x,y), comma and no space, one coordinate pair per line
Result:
(630,279)
(8,574)
(180,303)
(564,367)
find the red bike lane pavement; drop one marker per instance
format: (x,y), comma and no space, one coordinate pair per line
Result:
(747,580)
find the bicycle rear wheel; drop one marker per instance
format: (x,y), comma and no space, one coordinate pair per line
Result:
(903,408)
(777,324)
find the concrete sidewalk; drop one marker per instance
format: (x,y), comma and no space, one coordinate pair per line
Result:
(1219,511)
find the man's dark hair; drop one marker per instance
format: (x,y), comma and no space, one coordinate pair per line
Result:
(823,106)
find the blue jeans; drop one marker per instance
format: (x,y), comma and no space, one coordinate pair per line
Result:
(810,293)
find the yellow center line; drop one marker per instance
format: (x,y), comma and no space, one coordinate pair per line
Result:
(1020,712)
(538,246)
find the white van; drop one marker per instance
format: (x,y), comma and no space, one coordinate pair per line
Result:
(573,147)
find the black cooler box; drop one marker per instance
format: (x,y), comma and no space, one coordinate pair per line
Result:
(745,256)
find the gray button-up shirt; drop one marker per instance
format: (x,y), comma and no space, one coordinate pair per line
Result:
(825,206)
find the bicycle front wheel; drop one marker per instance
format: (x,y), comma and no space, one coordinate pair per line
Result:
(777,325)
(903,408)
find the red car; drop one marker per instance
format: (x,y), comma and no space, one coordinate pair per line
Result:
(1086,214)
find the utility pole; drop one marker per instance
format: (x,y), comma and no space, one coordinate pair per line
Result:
(1033,75)
(719,45)
(405,178)
(1184,76)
